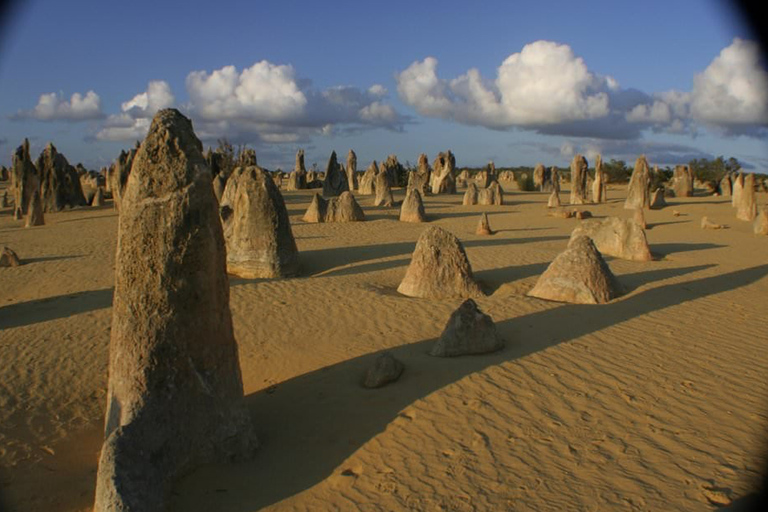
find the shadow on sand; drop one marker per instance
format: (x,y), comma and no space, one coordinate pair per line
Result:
(51,308)
(301,446)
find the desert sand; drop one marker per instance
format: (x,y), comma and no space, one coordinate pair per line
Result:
(657,400)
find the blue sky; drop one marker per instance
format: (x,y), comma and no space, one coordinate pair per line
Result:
(516,82)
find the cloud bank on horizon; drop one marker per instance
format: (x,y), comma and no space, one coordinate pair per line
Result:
(545,88)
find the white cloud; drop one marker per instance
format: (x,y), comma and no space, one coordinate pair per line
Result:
(53,107)
(134,120)
(733,89)
(543,84)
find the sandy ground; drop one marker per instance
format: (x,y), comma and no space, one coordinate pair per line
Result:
(656,401)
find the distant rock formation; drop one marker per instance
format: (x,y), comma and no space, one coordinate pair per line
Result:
(538,176)
(470,196)
(419,178)
(578,275)
(385,369)
(682,181)
(657,201)
(599,186)
(175,397)
(491,196)
(555,177)
(554,199)
(98,198)
(443,178)
(24,180)
(343,208)
(468,331)
(247,158)
(335,180)
(412,209)
(725,185)
(746,204)
(121,170)
(579,174)
(297,180)
(484,227)
(384,195)
(394,171)
(59,183)
(351,171)
(257,230)
(639,183)
(8,258)
(368,180)
(35,215)
(439,268)
(613,236)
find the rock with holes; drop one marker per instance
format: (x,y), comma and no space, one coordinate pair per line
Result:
(257,230)
(468,331)
(439,268)
(175,392)
(385,369)
(412,209)
(317,210)
(578,275)
(613,236)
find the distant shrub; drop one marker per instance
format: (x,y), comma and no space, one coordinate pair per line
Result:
(525,181)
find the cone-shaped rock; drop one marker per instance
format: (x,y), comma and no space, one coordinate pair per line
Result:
(175,389)
(439,268)
(335,179)
(8,258)
(383,191)
(578,275)
(368,180)
(317,209)
(351,170)
(484,227)
(385,369)
(344,209)
(761,222)
(412,209)
(657,200)
(35,215)
(257,230)
(468,331)
(579,174)
(637,193)
(613,236)
(746,205)
(470,196)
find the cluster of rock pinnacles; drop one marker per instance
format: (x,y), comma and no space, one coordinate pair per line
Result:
(175,392)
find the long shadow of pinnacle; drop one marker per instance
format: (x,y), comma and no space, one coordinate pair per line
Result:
(308,432)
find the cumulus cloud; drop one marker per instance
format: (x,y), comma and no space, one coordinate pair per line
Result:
(53,107)
(134,120)
(544,84)
(268,102)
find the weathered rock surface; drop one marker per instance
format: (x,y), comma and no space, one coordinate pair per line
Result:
(343,208)
(317,210)
(412,209)
(738,188)
(538,176)
(657,201)
(385,369)
(351,171)
(637,193)
(484,227)
(468,331)
(613,236)
(579,174)
(175,388)
(599,186)
(725,186)
(639,218)
(419,178)
(746,205)
(708,224)
(682,181)
(368,180)
(59,183)
(470,195)
(219,184)
(335,180)
(257,230)
(491,196)
(761,222)
(8,258)
(24,180)
(384,195)
(121,170)
(554,199)
(578,275)
(439,268)
(35,215)
(443,177)
(297,179)
(98,198)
